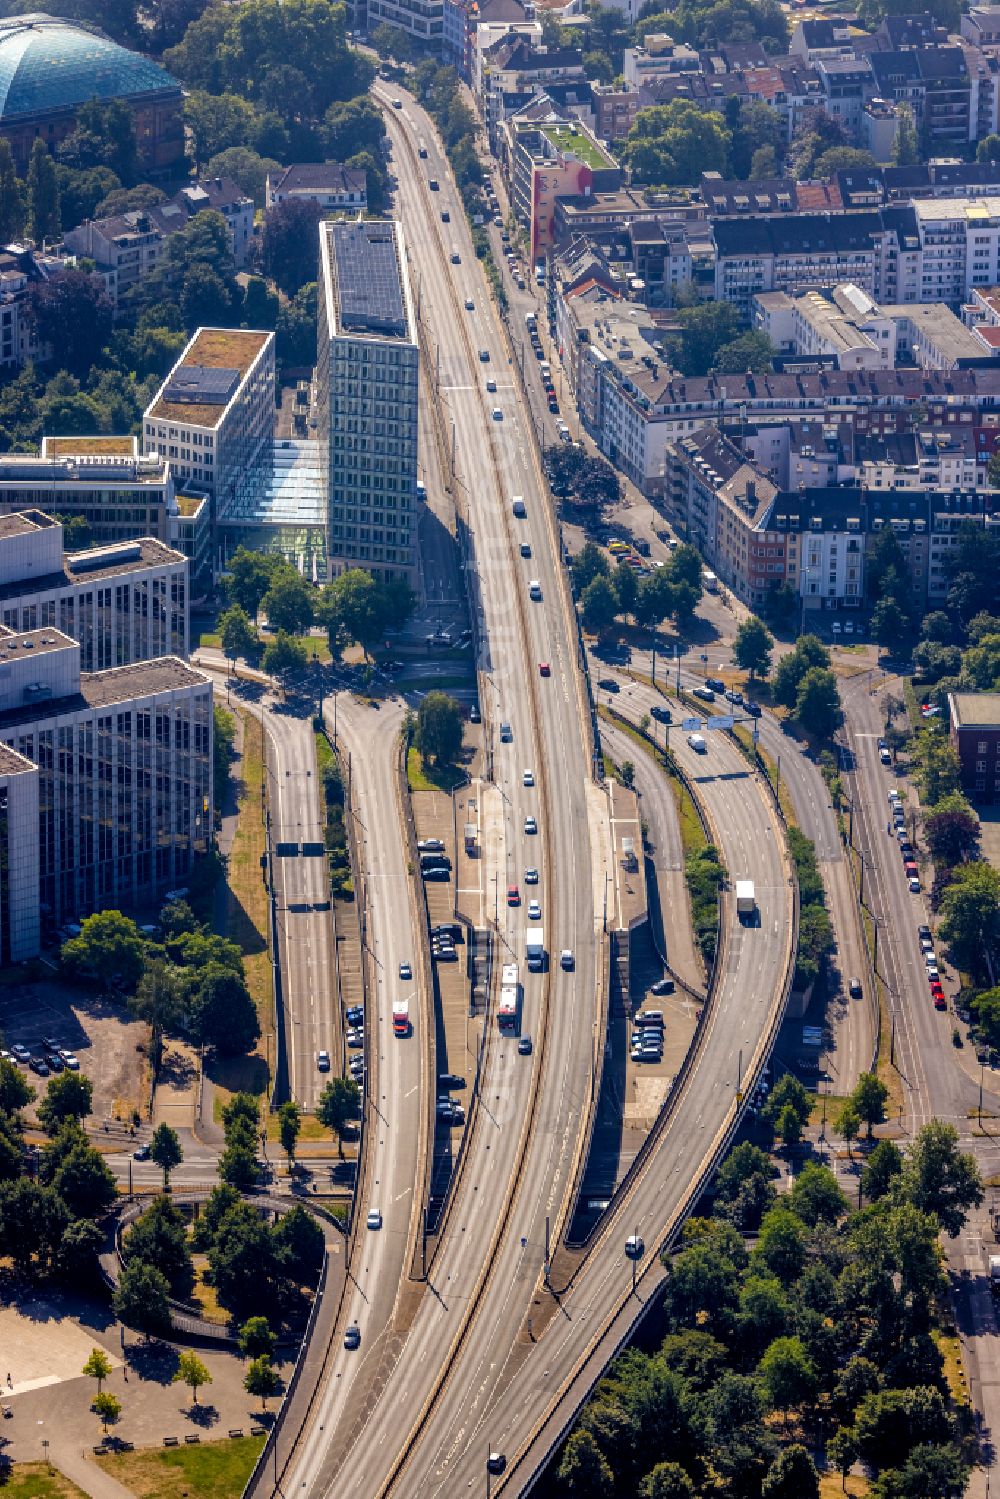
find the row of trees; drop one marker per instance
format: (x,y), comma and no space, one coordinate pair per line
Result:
(826,1321)
(804,683)
(816,940)
(606,593)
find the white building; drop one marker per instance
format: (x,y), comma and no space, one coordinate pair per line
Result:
(101,480)
(19,913)
(423,19)
(336,189)
(121,603)
(213,417)
(841,322)
(366,397)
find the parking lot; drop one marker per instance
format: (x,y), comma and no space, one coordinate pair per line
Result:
(111,1047)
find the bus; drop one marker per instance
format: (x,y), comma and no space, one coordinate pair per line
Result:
(509,1008)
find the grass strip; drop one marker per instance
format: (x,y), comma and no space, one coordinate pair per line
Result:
(423,777)
(212,1470)
(246,906)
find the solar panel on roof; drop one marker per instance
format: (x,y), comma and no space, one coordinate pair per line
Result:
(369,287)
(199,384)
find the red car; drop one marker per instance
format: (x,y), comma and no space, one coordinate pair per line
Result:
(940,1003)
(513,895)
(544,670)
(910,870)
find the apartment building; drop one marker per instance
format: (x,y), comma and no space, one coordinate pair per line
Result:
(469,25)
(332,187)
(125,247)
(795,254)
(549,156)
(421,19)
(974,730)
(212,419)
(124,775)
(841,323)
(367,381)
(121,603)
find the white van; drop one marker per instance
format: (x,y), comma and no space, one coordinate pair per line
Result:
(697,743)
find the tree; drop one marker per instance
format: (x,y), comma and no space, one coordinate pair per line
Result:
(817,702)
(355,606)
(103,135)
(809,652)
(11,196)
(223,1013)
(165,1150)
(970,909)
(158,1238)
(705,329)
(98,1366)
(890,625)
(816,1196)
(141,1299)
(262,1379)
(285,658)
(930,1472)
(757,128)
(938,770)
(15,1090)
(439,728)
(236,633)
(158,999)
(881,1169)
(938,1178)
(842,159)
(72,314)
(848,1123)
(191,1371)
(256,1338)
(764,164)
(781,1244)
(906,147)
(751,353)
(842,1452)
(667,1481)
(589,563)
(338,1105)
(356,125)
(248,169)
(988,150)
(110,947)
(298,1245)
(869,1099)
(290,243)
(295,328)
(584,1472)
(787,1374)
(289,602)
(43,196)
(752,647)
(69,1095)
(108,1407)
(891,1423)
(674,143)
(289,1125)
(792,1475)
(788,1091)
(626,587)
(83,1180)
(788,1127)
(249,578)
(599,606)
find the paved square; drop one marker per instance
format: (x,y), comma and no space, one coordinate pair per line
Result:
(42,1346)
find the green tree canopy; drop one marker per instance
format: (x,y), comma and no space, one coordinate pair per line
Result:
(674,143)
(110,947)
(141,1299)
(753,646)
(439,728)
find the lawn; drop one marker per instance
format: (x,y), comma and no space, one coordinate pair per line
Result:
(831,1486)
(33,1481)
(246,909)
(423,777)
(212,1470)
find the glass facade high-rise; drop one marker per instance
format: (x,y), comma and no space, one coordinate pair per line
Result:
(367,378)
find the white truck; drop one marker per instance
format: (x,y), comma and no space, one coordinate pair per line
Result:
(534,942)
(746,900)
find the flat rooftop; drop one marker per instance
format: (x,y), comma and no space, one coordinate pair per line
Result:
(18,470)
(115,560)
(573,140)
(229,353)
(103,689)
(938,323)
(368,278)
(90,447)
(975,710)
(12,764)
(31,643)
(18,524)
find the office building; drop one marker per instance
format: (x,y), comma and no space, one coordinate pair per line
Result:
(100,480)
(124,774)
(19,914)
(366,397)
(974,729)
(213,419)
(422,19)
(121,603)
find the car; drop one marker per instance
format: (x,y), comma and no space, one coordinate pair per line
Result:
(452,930)
(55,1062)
(433,184)
(554,407)
(39,1065)
(524,1046)
(940,1003)
(444,1108)
(544,669)
(662,715)
(323,1061)
(753,709)
(513,895)
(457,1114)
(535,590)
(924,931)
(530,825)
(405,971)
(352,1337)
(356,1068)
(497,414)
(662,986)
(910,870)
(484,356)
(716,684)
(374,1219)
(445,216)
(885,757)
(141,1153)
(496,1462)
(534,910)
(528,778)
(936,986)
(892,796)
(608,684)
(930,958)
(450,1080)
(430,846)
(525,548)
(732,696)
(20,1051)
(705,693)
(470,305)
(355,1014)
(435,876)
(883,744)
(446,955)
(70,1061)
(531,876)
(933,977)
(491,386)
(566,959)
(397,103)
(355,1040)
(854,988)
(474,714)
(913,885)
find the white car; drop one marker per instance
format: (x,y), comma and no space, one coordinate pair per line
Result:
(531,876)
(497,414)
(374,1219)
(530,825)
(534,911)
(70,1061)
(914,885)
(528,778)
(470,305)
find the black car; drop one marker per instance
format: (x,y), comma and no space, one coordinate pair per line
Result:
(437,873)
(450,1080)
(608,684)
(752,708)
(452,929)
(662,715)
(716,684)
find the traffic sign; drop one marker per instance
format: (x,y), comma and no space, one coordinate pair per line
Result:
(720,721)
(690,725)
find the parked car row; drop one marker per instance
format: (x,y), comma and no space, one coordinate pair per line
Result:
(47,1058)
(647,1037)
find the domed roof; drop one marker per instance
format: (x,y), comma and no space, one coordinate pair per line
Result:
(48,64)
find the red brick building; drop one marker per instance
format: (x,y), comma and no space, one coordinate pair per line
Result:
(975,733)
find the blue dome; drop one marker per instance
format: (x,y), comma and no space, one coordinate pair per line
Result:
(47,64)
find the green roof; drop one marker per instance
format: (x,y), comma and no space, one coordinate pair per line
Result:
(573,141)
(48,64)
